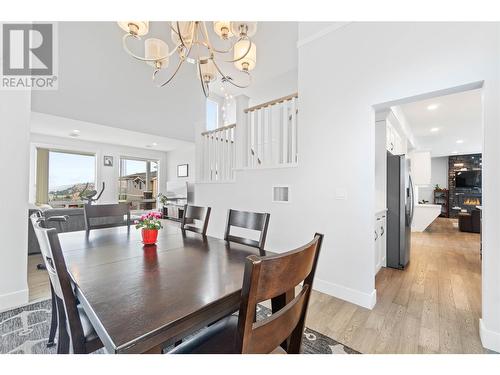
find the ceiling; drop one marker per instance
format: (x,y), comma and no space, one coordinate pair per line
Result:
(99,83)
(41,123)
(455,117)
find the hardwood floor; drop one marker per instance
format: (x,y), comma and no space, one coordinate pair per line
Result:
(433,306)
(38,281)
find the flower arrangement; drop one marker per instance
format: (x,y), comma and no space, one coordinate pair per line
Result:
(149,221)
(150,224)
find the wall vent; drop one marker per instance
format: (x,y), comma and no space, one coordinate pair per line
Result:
(281,194)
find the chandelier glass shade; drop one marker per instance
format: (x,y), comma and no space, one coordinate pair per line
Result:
(192,44)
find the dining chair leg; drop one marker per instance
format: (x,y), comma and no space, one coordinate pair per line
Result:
(53,321)
(63,337)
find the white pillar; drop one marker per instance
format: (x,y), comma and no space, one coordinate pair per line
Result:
(15,108)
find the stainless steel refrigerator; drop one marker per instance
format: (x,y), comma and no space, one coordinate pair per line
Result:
(400,207)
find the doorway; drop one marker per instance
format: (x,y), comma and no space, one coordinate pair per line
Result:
(435,294)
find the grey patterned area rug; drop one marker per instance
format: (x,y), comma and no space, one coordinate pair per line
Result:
(26,330)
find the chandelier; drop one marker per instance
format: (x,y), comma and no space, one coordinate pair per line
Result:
(192,44)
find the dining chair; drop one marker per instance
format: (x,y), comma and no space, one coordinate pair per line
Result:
(247,220)
(192,213)
(265,277)
(76,333)
(106,215)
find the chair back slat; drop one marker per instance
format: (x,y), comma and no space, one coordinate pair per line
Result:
(272,277)
(244,241)
(267,334)
(247,220)
(192,213)
(100,211)
(277,273)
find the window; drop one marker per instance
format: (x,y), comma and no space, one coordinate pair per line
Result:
(212,114)
(63,175)
(138,183)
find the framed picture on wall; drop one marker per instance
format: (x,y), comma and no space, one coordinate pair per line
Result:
(182,170)
(108,161)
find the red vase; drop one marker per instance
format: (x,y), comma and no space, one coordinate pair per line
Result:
(149,236)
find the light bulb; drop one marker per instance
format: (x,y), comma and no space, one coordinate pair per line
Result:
(139,28)
(223,29)
(249,60)
(156,49)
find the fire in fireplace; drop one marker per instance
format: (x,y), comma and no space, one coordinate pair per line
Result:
(472,202)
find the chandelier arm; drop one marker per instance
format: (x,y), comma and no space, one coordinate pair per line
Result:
(140,58)
(204,86)
(246,52)
(179,34)
(228,79)
(181,61)
(227,50)
(207,42)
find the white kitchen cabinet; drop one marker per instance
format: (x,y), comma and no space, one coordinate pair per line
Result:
(395,143)
(380,241)
(420,167)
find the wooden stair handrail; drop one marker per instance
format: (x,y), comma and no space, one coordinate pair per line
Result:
(219,129)
(272,102)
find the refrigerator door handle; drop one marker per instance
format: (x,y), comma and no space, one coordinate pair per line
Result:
(412,202)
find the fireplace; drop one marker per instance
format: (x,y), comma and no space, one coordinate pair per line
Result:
(461,198)
(468,201)
(472,202)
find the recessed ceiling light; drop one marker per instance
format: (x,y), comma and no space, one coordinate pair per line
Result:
(432,107)
(454,152)
(460,141)
(434,130)
(74,133)
(154,144)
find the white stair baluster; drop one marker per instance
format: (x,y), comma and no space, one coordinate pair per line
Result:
(293,137)
(284,125)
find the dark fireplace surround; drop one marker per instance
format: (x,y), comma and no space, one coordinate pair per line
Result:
(466,199)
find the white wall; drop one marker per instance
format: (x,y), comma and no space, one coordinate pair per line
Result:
(338,87)
(274,88)
(439,176)
(109,175)
(14,166)
(184,156)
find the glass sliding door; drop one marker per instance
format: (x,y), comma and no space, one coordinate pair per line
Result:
(138,183)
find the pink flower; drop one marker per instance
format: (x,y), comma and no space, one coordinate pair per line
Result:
(136,221)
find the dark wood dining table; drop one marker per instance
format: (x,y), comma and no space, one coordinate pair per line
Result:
(141,298)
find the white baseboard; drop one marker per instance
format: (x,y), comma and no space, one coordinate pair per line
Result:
(489,339)
(367,300)
(15,299)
